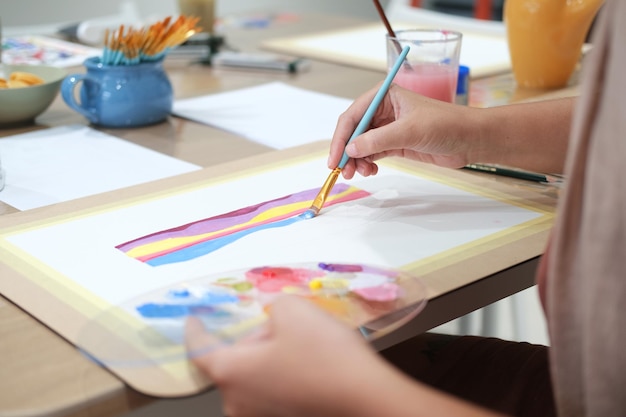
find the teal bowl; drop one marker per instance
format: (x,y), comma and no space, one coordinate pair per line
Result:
(22,105)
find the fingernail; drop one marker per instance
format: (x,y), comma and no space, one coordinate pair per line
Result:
(351,149)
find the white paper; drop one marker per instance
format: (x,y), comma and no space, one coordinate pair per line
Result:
(402,11)
(274,114)
(366,46)
(406,219)
(63,163)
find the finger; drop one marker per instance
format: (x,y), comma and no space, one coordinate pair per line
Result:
(340,137)
(366,168)
(346,124)
(348,171)
(379,140)
(197,339)
(287,308)
(202,346)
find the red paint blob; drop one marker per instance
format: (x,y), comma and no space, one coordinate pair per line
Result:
(274,279)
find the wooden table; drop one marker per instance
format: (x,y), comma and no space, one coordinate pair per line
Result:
(41,374)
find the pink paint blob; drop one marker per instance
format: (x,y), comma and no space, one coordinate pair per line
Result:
(431,80)
(385,292)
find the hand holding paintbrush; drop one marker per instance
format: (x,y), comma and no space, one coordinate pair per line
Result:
(129,46)
(319,200)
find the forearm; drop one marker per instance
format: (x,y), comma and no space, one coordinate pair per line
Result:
(532,136)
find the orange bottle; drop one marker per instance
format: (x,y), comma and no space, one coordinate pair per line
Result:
(545,38)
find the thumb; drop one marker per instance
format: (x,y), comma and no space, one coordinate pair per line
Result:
(203,348)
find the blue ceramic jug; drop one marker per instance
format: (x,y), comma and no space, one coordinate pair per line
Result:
(120,95)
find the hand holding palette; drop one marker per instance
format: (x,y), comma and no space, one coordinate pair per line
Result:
(151,329)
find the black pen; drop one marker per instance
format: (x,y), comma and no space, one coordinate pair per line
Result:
(513,173)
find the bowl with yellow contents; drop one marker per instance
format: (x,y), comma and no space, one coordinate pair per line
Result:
(26,91)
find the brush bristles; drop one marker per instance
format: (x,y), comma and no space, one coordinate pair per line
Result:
(128,45)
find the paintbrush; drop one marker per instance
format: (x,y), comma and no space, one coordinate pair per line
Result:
(320,199)
(390,31)
(383,17)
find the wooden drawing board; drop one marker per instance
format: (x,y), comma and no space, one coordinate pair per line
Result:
(364,47)
(65,283)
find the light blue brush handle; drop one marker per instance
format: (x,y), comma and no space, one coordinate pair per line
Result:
(378,98)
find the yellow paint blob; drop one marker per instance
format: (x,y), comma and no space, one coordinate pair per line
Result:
(329,283)
(315,284)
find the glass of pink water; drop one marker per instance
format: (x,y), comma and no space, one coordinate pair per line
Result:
(432,65)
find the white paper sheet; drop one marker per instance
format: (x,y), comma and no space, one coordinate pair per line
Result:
(274,114)
(365,46)
(63,163)
(406,219)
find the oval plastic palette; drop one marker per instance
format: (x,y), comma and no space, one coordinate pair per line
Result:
(151,329)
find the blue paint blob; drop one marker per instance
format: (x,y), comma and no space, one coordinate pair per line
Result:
(213,298)
(309,214)
(180,293)
(207,305)
(154,310)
